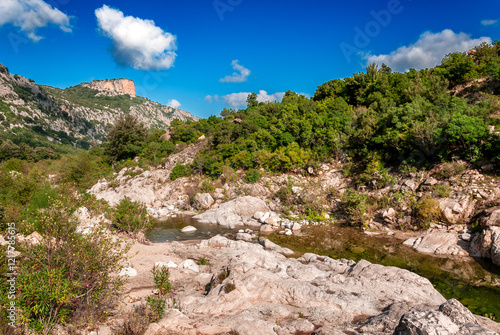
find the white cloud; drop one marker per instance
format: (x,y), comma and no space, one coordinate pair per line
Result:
(29,15)
(488,22)
(237,100)
(174,104)
(428,51)
(237,77)
(211,99)
(136,42)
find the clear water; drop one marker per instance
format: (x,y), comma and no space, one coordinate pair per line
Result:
(170,230)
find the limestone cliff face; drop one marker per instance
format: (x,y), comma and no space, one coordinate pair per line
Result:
(113,87)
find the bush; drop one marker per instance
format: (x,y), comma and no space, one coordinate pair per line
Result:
(356,206)
(179,171)
(131,217)
(125,138)
(68,274)
(442,191)
(252,176)
(426,211)
(157,303)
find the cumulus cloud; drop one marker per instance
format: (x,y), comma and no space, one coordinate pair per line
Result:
(237,77)
(237,100)
(428,51)
(174,103)
(136,42)
(488,22)
(29,15)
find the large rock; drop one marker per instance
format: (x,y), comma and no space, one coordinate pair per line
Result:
(451,318)
(457,210)
(203,200)
(247,289)
(488,243)
(236,212)
(439,243)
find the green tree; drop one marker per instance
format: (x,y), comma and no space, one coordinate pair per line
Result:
(125,138)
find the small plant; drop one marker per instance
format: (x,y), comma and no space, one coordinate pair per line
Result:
(229,287)
(442,191)
(202,261)
(136,321)
(207,186)
(449,170)
(356,205)
(179,171)
(157,303)
(131,217)
(427,210)
(252,176)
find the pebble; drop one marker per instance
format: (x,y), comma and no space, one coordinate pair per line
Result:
(188,229)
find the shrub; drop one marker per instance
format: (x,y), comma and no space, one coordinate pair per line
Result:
(426,210)
(285,195)
(131,217)
(136,321)
(68,274)
(207,186)
(252,176)
(449,170)
(125,138)
(356,206)
(442,191)
(157,303)
(179,171)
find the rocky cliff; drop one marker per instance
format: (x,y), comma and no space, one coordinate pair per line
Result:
(77,116)
(113,87)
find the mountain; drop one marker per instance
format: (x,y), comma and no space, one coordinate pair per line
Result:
(47,116)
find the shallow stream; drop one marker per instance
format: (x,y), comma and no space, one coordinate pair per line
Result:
(475,283)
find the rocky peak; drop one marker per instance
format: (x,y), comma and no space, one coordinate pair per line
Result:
(113,87)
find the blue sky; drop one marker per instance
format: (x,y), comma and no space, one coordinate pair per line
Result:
(204,55)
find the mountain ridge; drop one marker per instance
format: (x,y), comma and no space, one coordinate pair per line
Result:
(41,115)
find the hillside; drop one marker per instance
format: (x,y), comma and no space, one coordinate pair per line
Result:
(44,116)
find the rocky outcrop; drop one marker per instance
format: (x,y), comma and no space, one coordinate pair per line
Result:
(457,210)
(451,318)
(236,212)
(249,290)
(113,87)
(487,244)
(439,242)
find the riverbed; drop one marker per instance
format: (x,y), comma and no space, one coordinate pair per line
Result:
(474,282)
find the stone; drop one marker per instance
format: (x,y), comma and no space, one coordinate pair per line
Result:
(272,220)
(258,215)
(264,217)
(235,212)
(129,272)
(487,244)
(168,264)
(34,238)
(296,189)
(457,210)
(274,247)
(203,200)
(188,229)
(466,237)
(189,264)
(310,170)
(266,228)
(439,243)
(244,237)
(296,226)
(288,232)
(3,241)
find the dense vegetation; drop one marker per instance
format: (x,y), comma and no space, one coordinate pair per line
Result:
(402,119)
